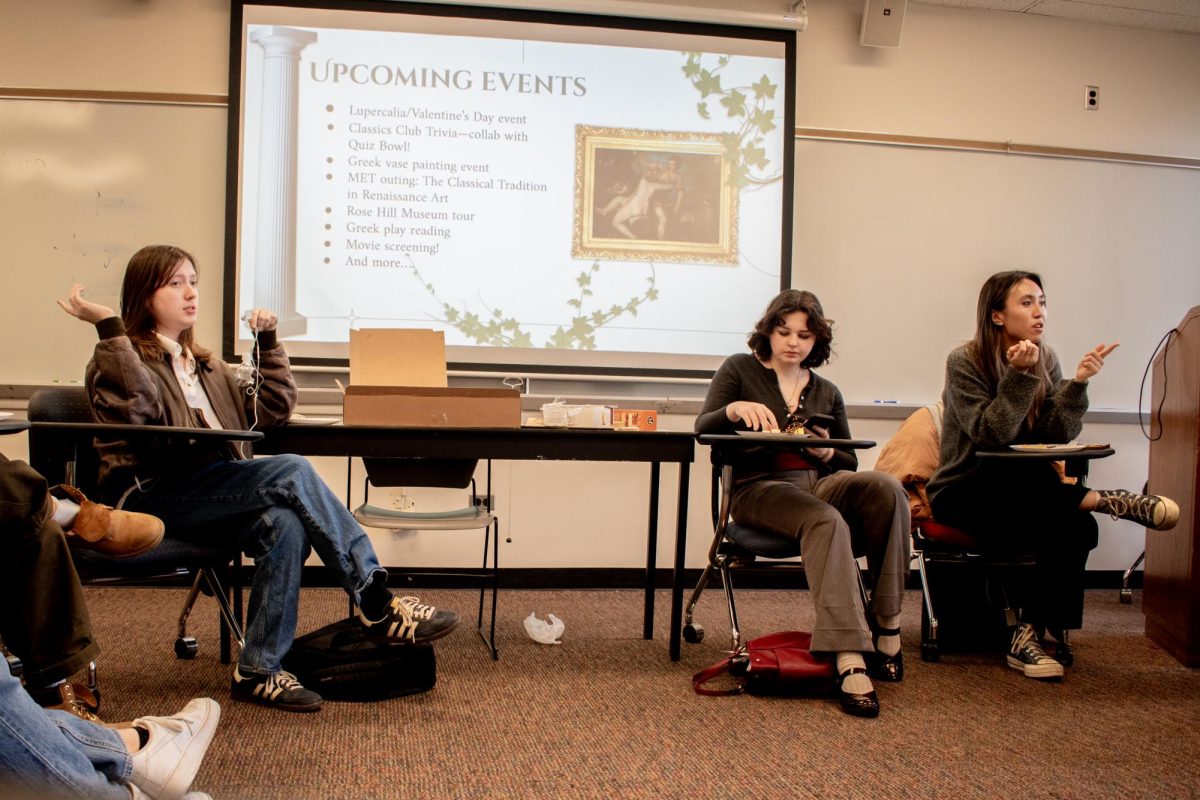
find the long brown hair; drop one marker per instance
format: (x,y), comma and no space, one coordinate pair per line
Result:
(150,269)
(789,301)
(988,348)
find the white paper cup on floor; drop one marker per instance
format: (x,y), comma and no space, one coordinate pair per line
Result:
(542,631)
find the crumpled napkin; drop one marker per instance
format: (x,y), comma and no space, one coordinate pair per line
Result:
(545,632)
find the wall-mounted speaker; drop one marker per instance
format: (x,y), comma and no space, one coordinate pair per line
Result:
(882,23)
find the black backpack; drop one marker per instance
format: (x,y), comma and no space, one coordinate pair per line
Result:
(339,663)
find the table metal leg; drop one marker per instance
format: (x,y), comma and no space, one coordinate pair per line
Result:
(681,513)
(651,553)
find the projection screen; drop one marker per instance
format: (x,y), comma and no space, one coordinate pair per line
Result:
(555,192)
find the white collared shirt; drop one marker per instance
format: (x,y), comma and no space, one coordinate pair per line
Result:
(184,365)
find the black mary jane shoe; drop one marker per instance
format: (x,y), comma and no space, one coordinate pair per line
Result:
(882,666)
(857,705)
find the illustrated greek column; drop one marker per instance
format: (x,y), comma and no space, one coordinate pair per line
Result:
(275,226)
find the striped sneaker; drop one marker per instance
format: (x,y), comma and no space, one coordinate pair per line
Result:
(278,690)
(1027,655)
(1148,510)
(409,621)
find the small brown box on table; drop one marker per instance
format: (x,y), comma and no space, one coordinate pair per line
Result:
(641,419)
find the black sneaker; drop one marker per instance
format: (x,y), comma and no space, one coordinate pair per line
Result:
(278,690)
(1027,655)
(408,621)
(1149,511)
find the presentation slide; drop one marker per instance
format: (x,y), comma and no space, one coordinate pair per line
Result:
(547,194)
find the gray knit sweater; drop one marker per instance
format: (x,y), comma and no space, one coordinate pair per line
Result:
(979,418)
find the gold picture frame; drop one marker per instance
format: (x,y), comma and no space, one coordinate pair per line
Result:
(648,195)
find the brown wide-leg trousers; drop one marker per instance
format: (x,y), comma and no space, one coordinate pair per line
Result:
(837,518)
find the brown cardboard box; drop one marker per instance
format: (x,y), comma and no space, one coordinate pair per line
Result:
(398,377)
(431,407)
(397,357)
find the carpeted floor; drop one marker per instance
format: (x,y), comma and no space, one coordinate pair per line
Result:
(606,714)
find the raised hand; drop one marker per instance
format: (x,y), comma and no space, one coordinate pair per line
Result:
(756,416)
(83,309)
(1023,355)
(260,319)
(1093,361)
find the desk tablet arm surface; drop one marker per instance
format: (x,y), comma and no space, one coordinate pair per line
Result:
(148,431)
(781,441)
(13,426)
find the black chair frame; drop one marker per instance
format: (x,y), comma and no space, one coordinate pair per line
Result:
(996,566)
(737,547)
(479,514)
(62,448)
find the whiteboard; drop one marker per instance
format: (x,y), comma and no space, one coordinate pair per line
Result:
(894,240)
(82,186)
(897,241)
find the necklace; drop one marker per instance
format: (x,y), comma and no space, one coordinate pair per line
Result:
(787,396)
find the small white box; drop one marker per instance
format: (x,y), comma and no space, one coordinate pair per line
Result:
(589,417)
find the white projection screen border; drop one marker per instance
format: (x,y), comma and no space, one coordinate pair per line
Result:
(555,192)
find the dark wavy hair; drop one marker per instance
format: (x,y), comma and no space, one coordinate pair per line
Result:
(150,269)
(789,301)
(989,347)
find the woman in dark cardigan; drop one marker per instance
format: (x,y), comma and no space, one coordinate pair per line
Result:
(817,496)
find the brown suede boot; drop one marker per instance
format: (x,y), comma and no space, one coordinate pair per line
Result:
(109,531)
(69,701)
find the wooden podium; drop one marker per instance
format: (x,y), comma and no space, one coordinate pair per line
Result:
(1171,600)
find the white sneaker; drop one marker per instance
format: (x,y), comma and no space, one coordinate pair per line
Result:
(138,794)
(165,767)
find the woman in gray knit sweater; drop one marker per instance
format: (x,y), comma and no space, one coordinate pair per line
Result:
(817,497)
(1006,387)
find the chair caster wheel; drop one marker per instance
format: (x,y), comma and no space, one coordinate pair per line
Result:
(1126,596)
(929,652)
(693,633)
(186,647)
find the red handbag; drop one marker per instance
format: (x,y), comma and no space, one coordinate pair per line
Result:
(779,663)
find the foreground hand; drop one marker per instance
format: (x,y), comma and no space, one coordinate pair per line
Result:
(261,319)
(823,453)
(1093,361)
(756,416)
(1023,355)
(86,310)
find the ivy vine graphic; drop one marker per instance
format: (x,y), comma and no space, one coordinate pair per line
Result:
(750,107)
(494,328)
(747,104)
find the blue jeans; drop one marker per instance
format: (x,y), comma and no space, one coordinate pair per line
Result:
(56,753)
(279,508)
